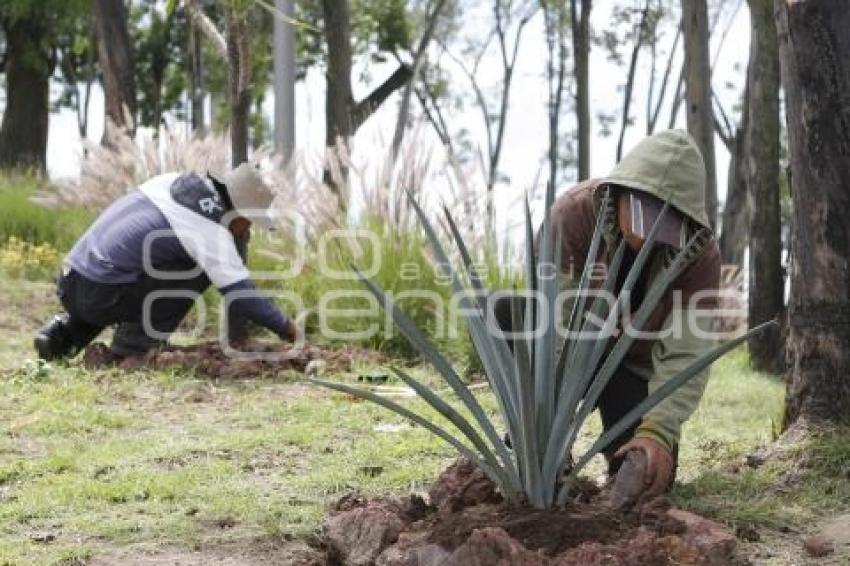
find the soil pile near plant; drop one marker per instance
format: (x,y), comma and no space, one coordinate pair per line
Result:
(209,360)
(466,523)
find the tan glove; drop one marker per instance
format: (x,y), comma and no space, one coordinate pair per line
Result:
(659,465)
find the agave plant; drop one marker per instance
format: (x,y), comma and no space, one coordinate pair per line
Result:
(545,385)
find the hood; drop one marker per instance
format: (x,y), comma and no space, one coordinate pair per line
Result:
(667,165)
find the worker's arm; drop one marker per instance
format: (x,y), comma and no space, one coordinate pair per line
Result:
(257,307)
(671,355)
(215,251)
(693,322)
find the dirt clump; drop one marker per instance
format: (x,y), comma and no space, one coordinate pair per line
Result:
(253,359)
(466,522)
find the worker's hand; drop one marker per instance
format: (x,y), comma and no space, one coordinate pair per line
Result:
(292,331)
(659,465)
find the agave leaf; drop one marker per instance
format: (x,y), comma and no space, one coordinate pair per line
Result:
(456,419)
(544,355)
(572,391)
(579,301)
(657,396)
(430,354)
(466,257)
(526,446)
(422,421)
(531,280)
(494,353)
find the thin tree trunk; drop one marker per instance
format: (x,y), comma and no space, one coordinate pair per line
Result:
(815,59)
(766,295)
(581,51)
(239,60)
(698,93)
(116,63)
(338,99)
(556,70)
(23,133)
(665,81)
(735,223)
(284,81)
(630,80)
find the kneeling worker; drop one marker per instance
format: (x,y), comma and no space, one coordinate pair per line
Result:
(173,236)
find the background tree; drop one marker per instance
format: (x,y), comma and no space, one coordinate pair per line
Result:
(234,46)
(767,284)
(815,61)
(159,40)
(343,114)
(31,29)
(115,59)
(556,21)
(76,48)
(698,93)
(580,25)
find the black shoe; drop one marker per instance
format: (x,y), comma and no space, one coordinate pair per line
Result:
(52,340)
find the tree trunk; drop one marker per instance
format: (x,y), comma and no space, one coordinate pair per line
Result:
(698,93)
(239,77)
(815,59)
(581,52)
(23,134)
(735,224)
(344,116)
(116,64)
(284,81)
(767,285)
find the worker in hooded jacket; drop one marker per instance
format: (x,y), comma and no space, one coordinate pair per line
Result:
(667,166)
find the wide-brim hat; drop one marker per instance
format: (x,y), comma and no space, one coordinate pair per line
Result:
(251,197)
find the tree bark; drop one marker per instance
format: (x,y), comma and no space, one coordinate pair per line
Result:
(284,81)
(734,232)
(116,63)
(581,51)
(339,98)
(23,133)
(196,79)
(767,284)
(239,78)
(698,93)
(815,61)
(344,116)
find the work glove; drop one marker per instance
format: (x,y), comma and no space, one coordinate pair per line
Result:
(659,465)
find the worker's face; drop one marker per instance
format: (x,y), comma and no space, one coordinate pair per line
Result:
(240,226)
(624,221)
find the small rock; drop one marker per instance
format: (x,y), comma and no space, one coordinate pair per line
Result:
(747,533)
(43,538)
(756,459)
(492,545)
(713,541)
(358,536)
(461,485)
(818,546)
(316,368)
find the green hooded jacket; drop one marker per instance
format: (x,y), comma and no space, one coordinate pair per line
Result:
(667,165)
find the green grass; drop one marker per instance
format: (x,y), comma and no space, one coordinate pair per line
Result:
(108,460)
(31,222)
